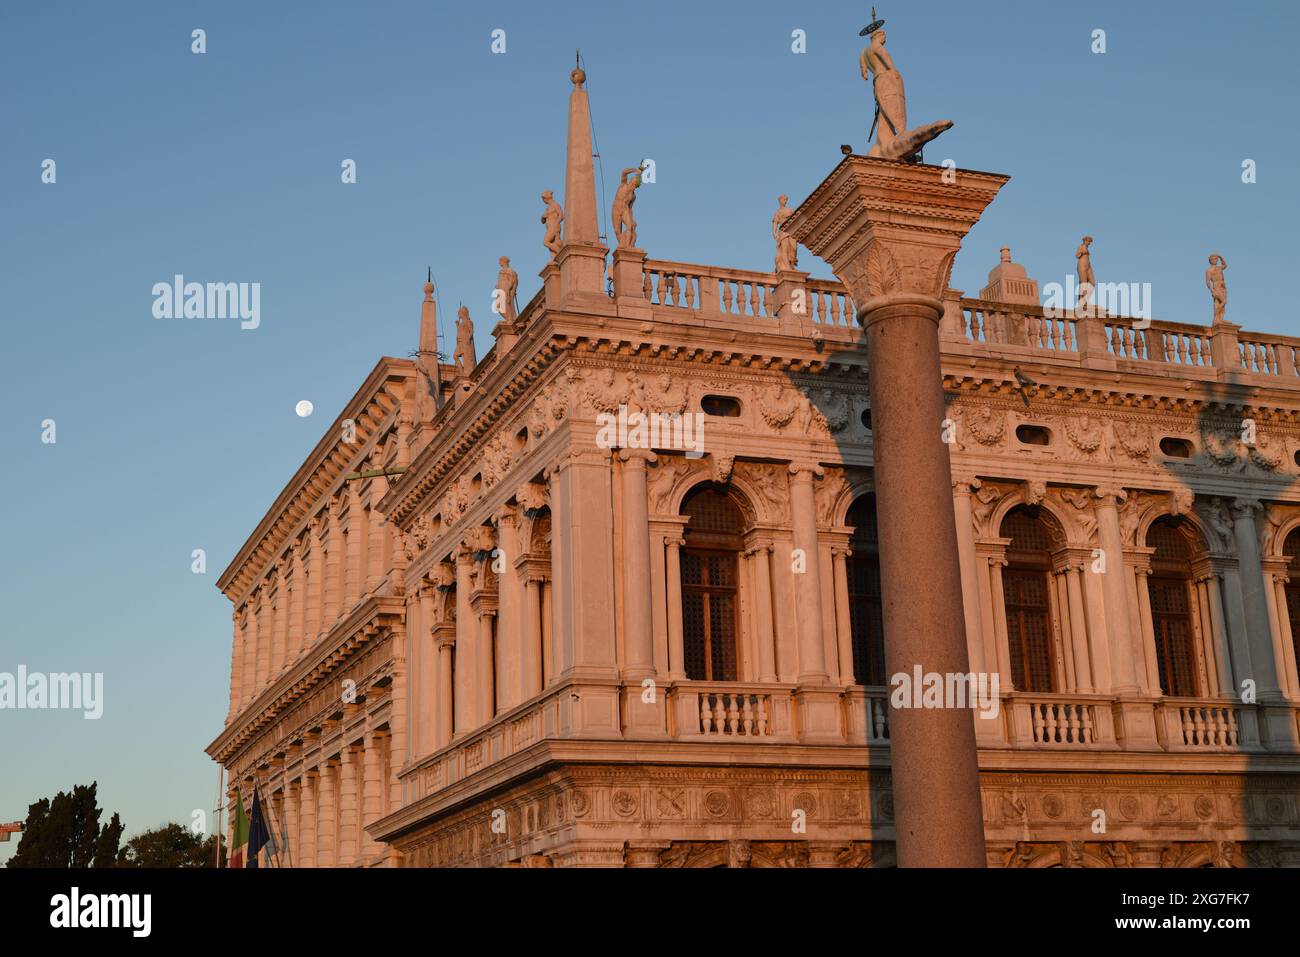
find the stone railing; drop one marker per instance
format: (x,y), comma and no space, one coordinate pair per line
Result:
(817,308)
(1059,721)
(1223,351)
(1269,355)
(1206,725)
(735,712)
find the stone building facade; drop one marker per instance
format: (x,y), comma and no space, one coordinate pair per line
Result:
(473,630)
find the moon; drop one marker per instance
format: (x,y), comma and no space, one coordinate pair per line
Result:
(303,408)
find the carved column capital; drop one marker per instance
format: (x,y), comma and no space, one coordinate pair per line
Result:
(1246,508)
(637,458)
(1108,495)
(805,471)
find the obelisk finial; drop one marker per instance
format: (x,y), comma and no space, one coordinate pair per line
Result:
(580,224)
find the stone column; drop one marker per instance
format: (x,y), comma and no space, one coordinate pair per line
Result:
(1123,650)
(236,664)
(487,666)
(1135,717)
(280,626)
(761,557)
(297,607)
(307,820)
(446,641)
(965,525)
(532,634)
(333,566)
(465,672)
(315,576)
(998,596)
(251,683)
(807,587)
(890,232)
(1277,718)
(349,771)
(375,532)
(421,623)
(372,795)
(1277,582)
(843,623)
(1141,572)
(355,550)
(1078,627)
(638,641)
(327,823)
(676,647)
(292,810)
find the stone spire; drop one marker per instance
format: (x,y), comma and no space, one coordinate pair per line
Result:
(429,320)
(580,224)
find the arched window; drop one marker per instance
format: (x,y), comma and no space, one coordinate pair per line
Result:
(710,561)
(1169,587)
(866,613)
(1026,584)
(1291,549)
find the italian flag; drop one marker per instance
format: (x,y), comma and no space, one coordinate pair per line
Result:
(239,838)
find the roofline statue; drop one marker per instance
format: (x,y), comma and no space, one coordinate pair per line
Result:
(894,141)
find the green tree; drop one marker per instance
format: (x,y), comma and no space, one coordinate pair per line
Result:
(172,845)
(65,832)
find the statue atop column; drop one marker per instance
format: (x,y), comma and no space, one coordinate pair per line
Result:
(787,249)
(1218,288)
(552,219)
(1087,281)
(621,214)
(465,357)
(894,141)
(507,287)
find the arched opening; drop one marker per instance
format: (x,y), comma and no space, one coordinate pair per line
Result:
(1291,549)
(1026,596)
(1170,589)
(710,562)
(866,612)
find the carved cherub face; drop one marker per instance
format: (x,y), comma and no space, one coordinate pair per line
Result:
(665,381)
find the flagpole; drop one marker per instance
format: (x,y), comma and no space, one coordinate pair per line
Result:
(221,781)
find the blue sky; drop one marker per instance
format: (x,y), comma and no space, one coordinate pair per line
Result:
(225,166)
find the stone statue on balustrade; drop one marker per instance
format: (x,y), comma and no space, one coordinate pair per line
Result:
(466,358)
(504,300)
(1087,281)
(894,141)
(1218,288)
(621,214)
(787,249)
(552,219)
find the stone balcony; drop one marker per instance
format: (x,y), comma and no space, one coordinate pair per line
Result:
(739,722)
